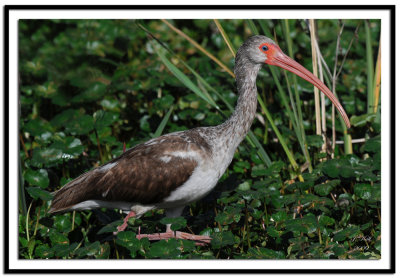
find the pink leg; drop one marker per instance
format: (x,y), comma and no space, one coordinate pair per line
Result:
(200,240)
(125,224)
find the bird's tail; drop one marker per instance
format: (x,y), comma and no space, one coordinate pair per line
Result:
(70,194)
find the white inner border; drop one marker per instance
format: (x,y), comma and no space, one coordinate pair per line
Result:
(15,263)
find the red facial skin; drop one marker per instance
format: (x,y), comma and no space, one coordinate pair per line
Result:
(275,57)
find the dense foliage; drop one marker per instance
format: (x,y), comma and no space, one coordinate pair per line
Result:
(90,87)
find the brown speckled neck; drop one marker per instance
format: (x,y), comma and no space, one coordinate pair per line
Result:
(236,127)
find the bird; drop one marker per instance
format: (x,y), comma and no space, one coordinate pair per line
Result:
(176,169)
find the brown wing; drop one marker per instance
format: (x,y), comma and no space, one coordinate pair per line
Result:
(145,174)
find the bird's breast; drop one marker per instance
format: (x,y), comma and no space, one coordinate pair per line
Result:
(200,183)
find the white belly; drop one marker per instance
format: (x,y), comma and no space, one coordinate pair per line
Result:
(201,182)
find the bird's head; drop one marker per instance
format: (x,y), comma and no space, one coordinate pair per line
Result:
(263,50)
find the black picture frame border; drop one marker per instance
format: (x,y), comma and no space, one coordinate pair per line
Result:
(6,12)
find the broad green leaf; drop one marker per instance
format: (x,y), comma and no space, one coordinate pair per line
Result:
(347,233)
(128,240)
(279,216)
(58,238)
(63,223)
(361,120)
(44,251)
(373,145)
(104,118)
(94,92)
(46,157)
(222,239)
(324,189)
(165,249)
(37,127)
(39,177)
(79,126)
(315,141)
(38,193)
(229,215)
(363,190)
(244,186)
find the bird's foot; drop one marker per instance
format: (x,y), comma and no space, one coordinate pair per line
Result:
(125,224)
(199,240)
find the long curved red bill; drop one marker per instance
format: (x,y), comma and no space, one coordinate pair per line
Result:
(281,60)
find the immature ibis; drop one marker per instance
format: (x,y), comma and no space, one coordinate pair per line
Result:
(176,169)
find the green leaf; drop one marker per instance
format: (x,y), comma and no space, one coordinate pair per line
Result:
(103,118)
(222,239)
(264,253)
(60,250)
(110,228)
(79,126)
(244,186)
(331,168)
(229,215)
(92,250)
(339,250)
(44,251)
(315,140)
(128,240)
(347,233)
(39,177)
(63,223)
(363,190)
(326,221)
(271,231)
(373,145)
(37,127)
(110,104)
(177,222)
(324,189)
(362,119)
(49,156)
(94,92)
(60,120)
(38,193)
(165,249)
(279,216)
(58,238)
(71,147)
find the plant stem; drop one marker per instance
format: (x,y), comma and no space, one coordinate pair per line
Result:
(377,81)
(315,71)
(98,146)
(370,69)
(27,221)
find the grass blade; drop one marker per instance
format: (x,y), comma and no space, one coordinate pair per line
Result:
(199,47)
(225,36)
(377,81)
(183,78)
(163,123)
(278,134)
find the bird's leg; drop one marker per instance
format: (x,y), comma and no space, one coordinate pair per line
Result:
(125,224)
(174,212)
(200,240)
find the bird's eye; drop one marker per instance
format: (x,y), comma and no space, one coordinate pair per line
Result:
(264,48)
